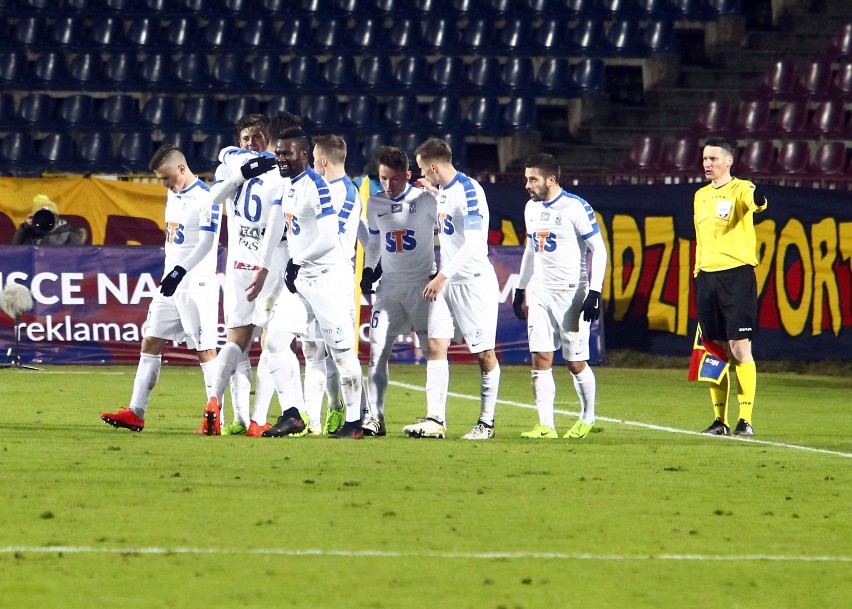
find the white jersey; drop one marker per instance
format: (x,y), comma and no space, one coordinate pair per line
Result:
(463,218)
(305,200)
(189,212)
(347,204)
(557,231)
(403,232)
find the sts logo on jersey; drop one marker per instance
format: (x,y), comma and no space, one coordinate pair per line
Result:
(174,233)
(543,241)
(292,224)
(400,240)
(445,224)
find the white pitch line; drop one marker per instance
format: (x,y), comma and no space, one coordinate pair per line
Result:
(432,555)
(650,426)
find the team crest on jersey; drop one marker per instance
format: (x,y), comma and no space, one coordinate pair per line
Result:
(412,208)
(545,216)
(558,220)
(723,210)
(396,208)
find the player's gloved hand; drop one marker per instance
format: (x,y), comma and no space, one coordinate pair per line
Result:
(592,306)
(257,166)
(518,303)
(290,275)
(367,280)
(171,281)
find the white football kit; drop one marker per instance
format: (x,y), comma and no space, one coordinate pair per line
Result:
(347,203)
(559,234)
(470,295)
(191,314)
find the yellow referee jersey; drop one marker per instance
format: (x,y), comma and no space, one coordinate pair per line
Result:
(724,226)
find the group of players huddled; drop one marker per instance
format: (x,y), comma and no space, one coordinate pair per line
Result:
(290,277)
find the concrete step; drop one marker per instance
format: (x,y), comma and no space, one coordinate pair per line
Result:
(799,44)
(650,117)
(623,137)
(692,99)
(748,59)
(820,25)
(587,157)
(702,78)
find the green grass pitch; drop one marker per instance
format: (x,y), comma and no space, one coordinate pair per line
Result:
(642,513)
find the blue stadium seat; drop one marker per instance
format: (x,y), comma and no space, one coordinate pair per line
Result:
(95,152)
(181,34)
(184,141)
(589,76)
(441,35)
(368,36)
(479,36)
(228,72)
(391,8)
(143,33)
(551,36)
(107,33)
(619,9)
(482,74)
(240,8)
(30,32)
(516,76)
(446,74)
(274,7)
(455,139)
(405,35)
(692,10)
(401,113)
(338,73)
(82,6)
(375,73)
(349,8)
(208,152)
(283,103)
(238,107)
(322,114)
(264,73)
(77,110)
(431,8)
(553,77)
(361,113)
(134,152)
(119,112)
(50,71)
(191,71)
(516,36)
(581,8)
(294,36)
(444,113)
(411,74)
(717,8)
(330,36)
(538,8)
(67,32)
(160,112)
(482,116)
(658,37)
(587,38)
(201,112)
(56,151)
(36,110)
(17,149)
(7,110)
(622,38)
(520,115)
(14,68)
(119,71)
(219,33)
(656,9)
(85,70)
(371,143)
(155,72)
(300,73)
(256,33)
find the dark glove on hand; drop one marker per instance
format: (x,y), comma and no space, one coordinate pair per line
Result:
(171,281)
(377,272)
(518,303)
(367,279)
(258,166)
(592,306)
(290,275)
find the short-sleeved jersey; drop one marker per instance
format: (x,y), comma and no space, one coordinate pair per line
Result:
(304,201)
(347,203)
(188,213)
(724,226)
(557,231)
(405,229)
(462,215)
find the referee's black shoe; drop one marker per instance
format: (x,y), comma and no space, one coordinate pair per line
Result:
(718,429)
(288,424)
(743,428)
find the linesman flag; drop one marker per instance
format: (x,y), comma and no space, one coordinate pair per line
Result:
(708,362)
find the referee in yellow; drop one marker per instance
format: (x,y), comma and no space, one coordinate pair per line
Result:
(725,285)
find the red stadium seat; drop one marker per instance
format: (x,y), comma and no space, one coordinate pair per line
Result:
(714,118)
(841,44)
(756,158)
(780,82)
(829,159)
(828,119)
(815,81)
(752,119)
(790,120)
(793,158)
(646,155)
(841,83)
(684,157)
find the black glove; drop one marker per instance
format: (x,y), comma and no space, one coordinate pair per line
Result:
(367,280)
(290,275)
(592,306)
(518,303)
(171,281)
(759,196)
(258,166)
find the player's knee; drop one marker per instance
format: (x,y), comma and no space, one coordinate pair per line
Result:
(348,367)
(313,351)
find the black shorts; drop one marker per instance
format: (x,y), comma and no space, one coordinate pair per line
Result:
(727,303)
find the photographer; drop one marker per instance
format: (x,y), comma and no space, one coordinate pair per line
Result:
(44,227)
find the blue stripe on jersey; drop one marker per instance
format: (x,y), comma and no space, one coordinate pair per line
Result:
(199,183)
(470,194)
(595,231)
(348,204)
(404,193)
(326,208)
(214,220)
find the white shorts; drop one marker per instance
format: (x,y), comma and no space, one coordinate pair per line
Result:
(554,319)
(289,314)
(470,307)
(190,316)
(329,300)
(398,309)
(239,311)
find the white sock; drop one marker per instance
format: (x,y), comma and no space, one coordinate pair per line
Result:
(544,391)
(351,381)
(377,387)
(584,383)
(147,373)
(283,366)
(437,384)
(332,382)
(241,390)
(314,390)
(263,391)
(488,394)
(227,359)
(208,369)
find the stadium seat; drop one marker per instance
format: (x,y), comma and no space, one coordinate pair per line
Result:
(375,73)
(405,35)
(815,81)
(119,71)
(790,120)
(580,8)
(200,112)
(330,36)
(107,33)
(95,152)
(482,116)
(294,36)
(494,8)
(240,8)
(714,118)
(228,71)
(619,9)
(683,157)
(829,159)
(516,36)
(237,107)
(14,68)
(361,113)
(690,10)
(520,115)
(300,73)
(482,74)
(752,119)
(67,32)
(370,143)
(7,111)
(779,82)
(539,8)
(717,8)
(219,34)
(589,76)
(841,83)
(155,72)
(17,148)
(283,103)
(587,37)
(160,112)
(36,110)
(408,142)
(264,73)
(551,36)
(77,110)
(338,73)
(443,113)
(656,9)
(841,44)
(478,36)
(134,152)
(368,36)
(446,73)
(828,119)
(85,70)
(390,8)
(793,158)
(181,34)
(553,77)
(274,7)
(348,8)
(208,152)
(30,32)
(516,76)
(441,35)
(756,158)
(658,37)
(428,8)
(191,71)
(50,71)
(82,6)
(119,112)
(646,155)
(622,38)
(143,33)
(256,33)
(56,151)
(322,114)
(401,113)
